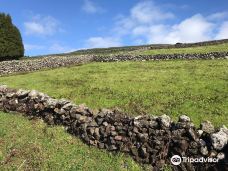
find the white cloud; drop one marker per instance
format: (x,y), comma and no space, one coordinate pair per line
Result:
(143,14)
(102,42)
(151,23)
(140,30)
(33,27)
(55,47)
(59,48)
(33,47)
(157,33)
(218,16)
(42,25)
(91,8)
(193,29)
(123,25)
(223,31)
(148,12)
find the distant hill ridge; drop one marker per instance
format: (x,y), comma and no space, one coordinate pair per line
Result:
(141,47)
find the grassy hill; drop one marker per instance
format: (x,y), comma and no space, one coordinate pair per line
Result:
(190,50)
(32,145)
(197,88)
(152,49)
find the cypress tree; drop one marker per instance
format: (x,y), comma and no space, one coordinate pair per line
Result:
(11,45)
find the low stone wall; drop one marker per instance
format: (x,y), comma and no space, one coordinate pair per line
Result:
(28,65)
(148,139)
(212,55)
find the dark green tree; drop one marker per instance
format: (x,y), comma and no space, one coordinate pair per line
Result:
(11,45)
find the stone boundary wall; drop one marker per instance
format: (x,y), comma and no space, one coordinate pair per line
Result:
(212,55)
(148,139)
(28,65)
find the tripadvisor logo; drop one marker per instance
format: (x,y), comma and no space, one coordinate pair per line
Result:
(176,160)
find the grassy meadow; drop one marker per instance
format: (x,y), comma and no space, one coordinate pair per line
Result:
(198,88)
(32,145)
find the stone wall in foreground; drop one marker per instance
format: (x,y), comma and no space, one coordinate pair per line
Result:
(148,139)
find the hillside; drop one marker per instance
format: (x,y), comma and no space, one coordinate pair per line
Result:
(188,79)
(197,88)
(32,145)
(206,46)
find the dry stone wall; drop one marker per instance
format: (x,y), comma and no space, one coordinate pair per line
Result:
(28,65)
(16,66)
(148,139)
(112,58)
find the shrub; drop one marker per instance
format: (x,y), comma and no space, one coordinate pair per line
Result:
(11,45)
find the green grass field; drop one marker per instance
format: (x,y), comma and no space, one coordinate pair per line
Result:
(198,88)
(32,145)
(200,49)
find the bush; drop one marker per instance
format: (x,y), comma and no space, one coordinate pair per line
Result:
(11,45)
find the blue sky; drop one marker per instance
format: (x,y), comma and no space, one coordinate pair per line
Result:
(50,26)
